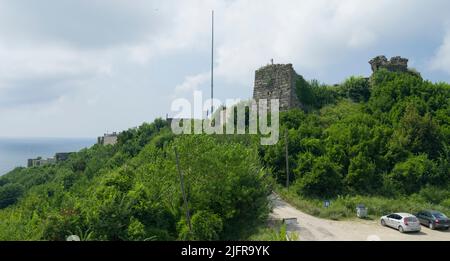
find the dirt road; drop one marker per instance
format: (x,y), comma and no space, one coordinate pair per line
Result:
(311,228)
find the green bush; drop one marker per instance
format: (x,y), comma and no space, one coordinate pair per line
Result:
(206,226)
(323,180)
(356,88)
(390,153)
(10,194)
(414,173)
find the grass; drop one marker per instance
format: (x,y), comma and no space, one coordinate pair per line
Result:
(344,207)
(273,230)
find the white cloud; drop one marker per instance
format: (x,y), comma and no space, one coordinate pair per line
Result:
(105,64)
(313,35)
(441,60)
(191,84)
(49,60)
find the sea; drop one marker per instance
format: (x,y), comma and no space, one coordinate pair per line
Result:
(14,152)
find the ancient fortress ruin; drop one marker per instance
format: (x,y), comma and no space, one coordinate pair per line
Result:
(277,81)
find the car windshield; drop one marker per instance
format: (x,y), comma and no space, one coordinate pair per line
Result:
(439,215)
(411,219)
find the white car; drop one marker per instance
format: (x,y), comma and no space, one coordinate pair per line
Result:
(404,222)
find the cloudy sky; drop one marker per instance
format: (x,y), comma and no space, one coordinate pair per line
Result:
(79,68)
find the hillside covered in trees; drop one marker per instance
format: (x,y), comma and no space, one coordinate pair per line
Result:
(384,138)
(131,191)
(383,141)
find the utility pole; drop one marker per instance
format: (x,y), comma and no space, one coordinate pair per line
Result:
(212,62)
(287,158)
(186,206)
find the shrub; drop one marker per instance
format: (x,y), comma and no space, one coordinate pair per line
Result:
(136,230)
(9,194)
(356,88)
(409,176)
(323,180)
(206,226)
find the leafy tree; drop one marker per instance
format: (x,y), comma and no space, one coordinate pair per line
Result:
(394,145)
(390,87)
(9,194)
(323,94)
(356,88)
(206,226)
(324,180)
(304,165)
(409,176)
(304,92)
(136,231)
(315,95)
(361,175)
(421,133)
(228,181)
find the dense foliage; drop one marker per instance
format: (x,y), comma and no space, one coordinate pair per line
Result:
(387,135)
(131,191)
(361,141)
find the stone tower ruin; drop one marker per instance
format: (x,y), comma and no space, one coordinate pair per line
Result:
(396,64)
(277,81)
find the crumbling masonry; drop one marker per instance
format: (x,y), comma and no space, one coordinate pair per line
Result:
(396,64)
(277,81)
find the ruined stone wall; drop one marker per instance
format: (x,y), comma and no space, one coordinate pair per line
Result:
(396,64)
(277,81)
(108,139)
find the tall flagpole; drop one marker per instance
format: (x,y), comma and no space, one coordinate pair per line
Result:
(212,62)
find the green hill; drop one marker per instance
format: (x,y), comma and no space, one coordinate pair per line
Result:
(377,141)
(382,141)
(131,191)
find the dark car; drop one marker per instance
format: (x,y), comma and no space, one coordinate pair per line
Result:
(433,219)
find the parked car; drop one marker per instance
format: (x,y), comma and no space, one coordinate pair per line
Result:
(404,222)
(433,219)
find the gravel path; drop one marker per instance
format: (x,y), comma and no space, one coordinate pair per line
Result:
(311,228)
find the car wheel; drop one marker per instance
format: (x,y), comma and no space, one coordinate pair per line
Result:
(400,228)
(383,223)
(430,225)
(446,228)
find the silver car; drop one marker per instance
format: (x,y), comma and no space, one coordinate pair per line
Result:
(404,222)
